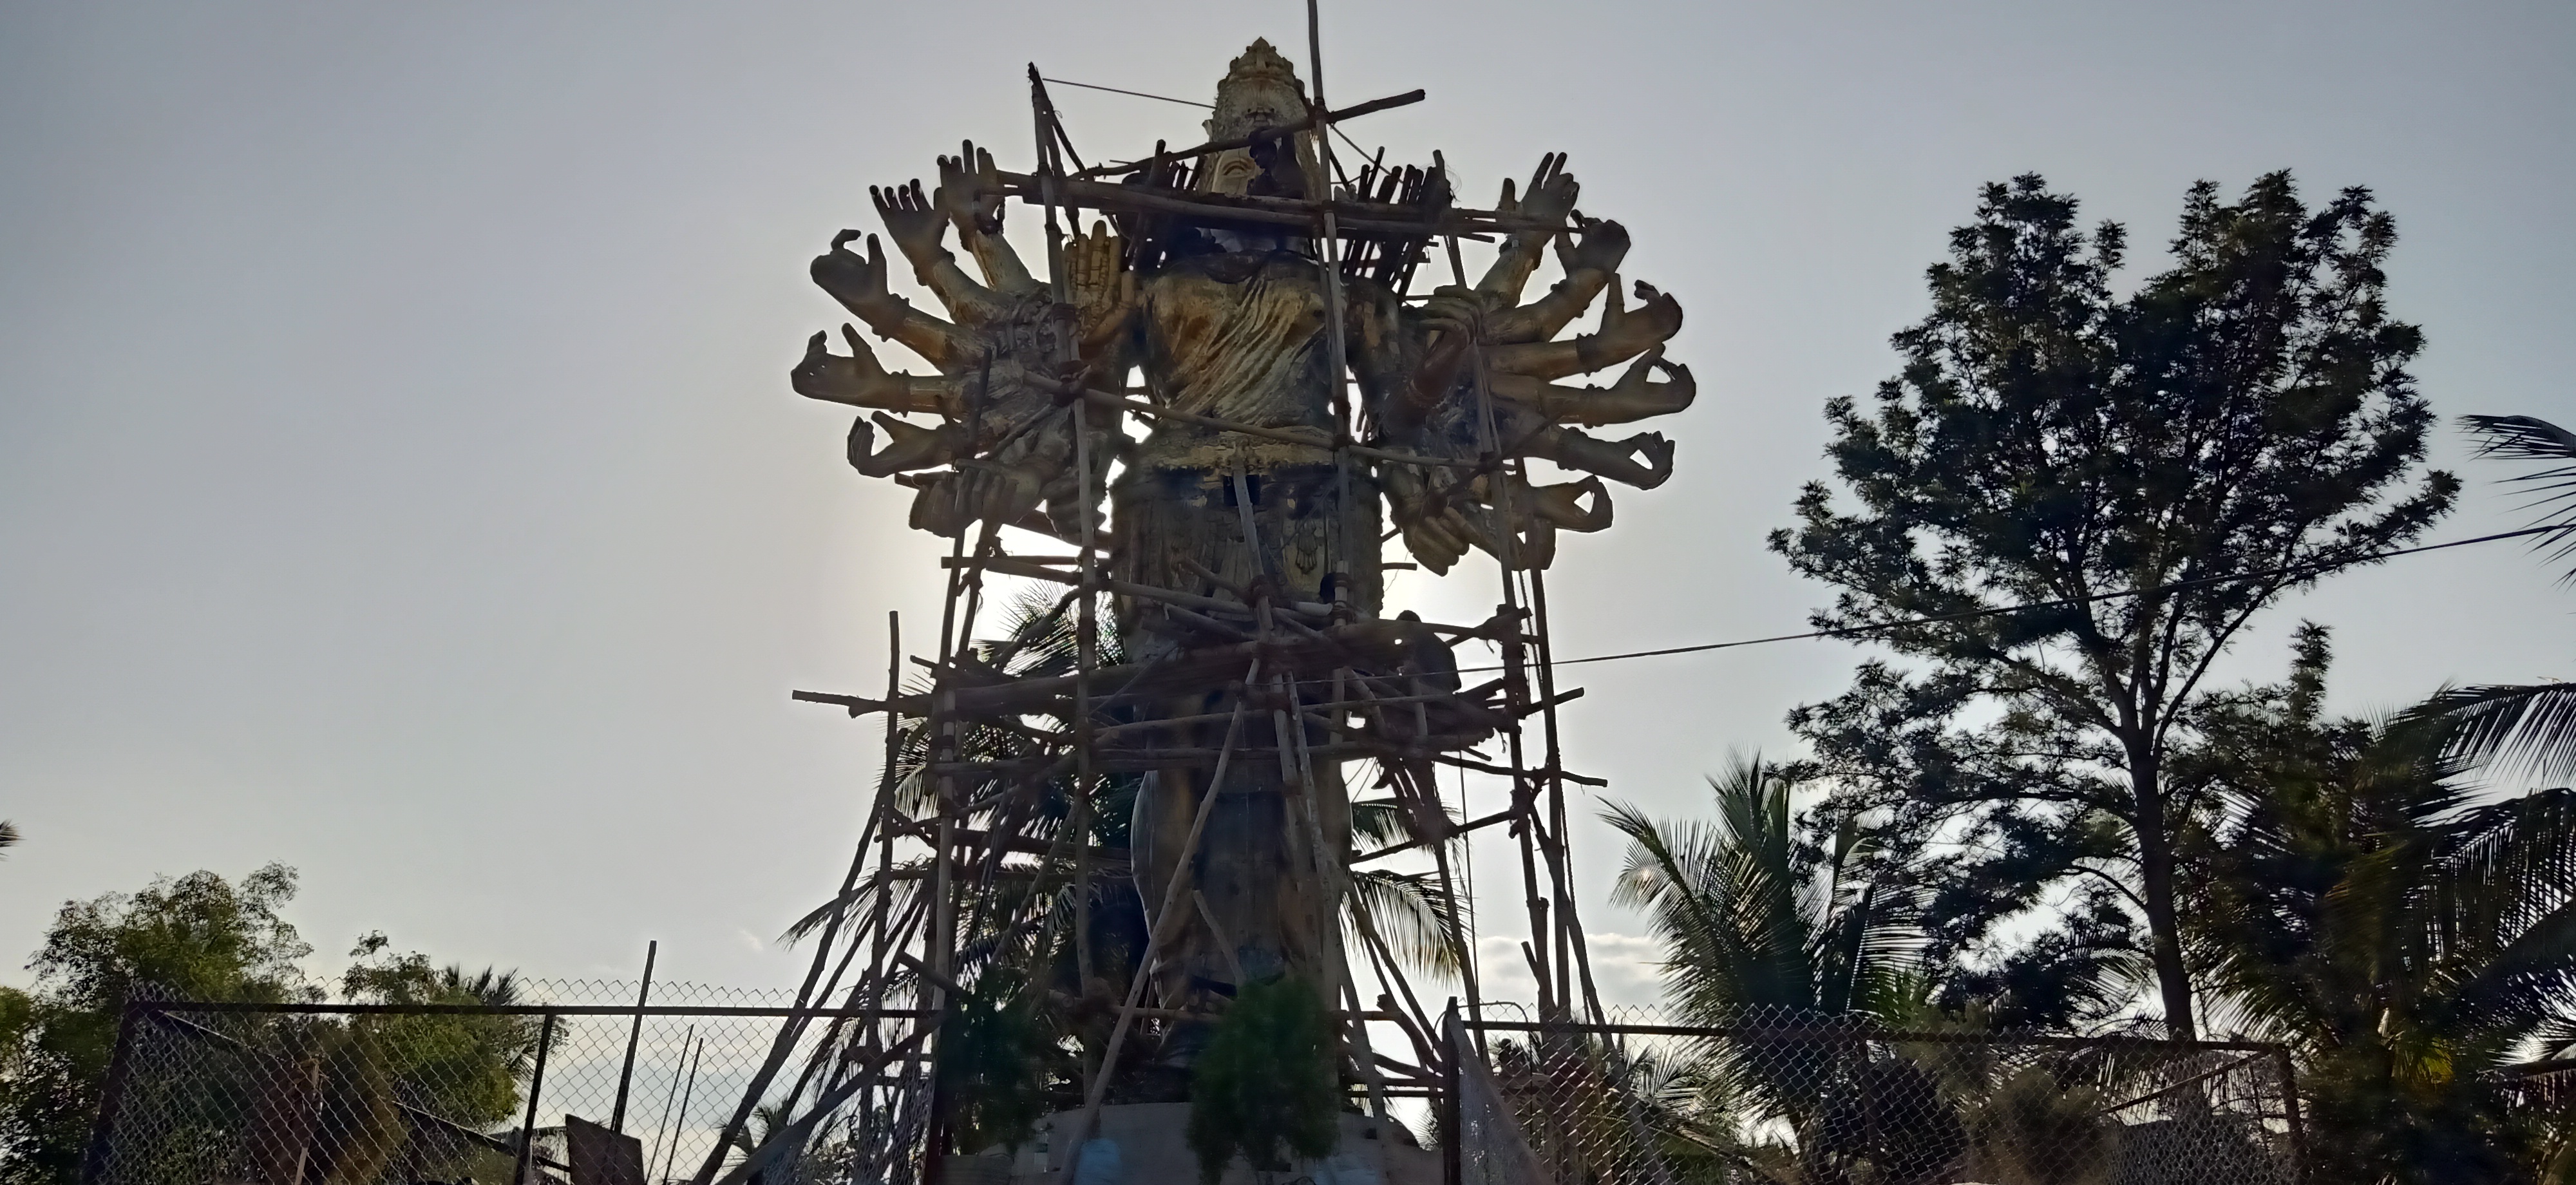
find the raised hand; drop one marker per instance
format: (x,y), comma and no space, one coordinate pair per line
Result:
(1460,311)
(1603,247)
(1551,192)
(970,190)
(1636,396)
(908,446)
(856,380)
(1634,331)
(1104,294)
(915,225)
(859,281)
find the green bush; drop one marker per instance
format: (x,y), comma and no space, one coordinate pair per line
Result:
(1265,1085)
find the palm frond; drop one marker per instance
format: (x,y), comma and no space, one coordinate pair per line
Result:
(1751,918)
(2529,438)
(1413,915)
(2521,438)
(901,882)
(8,834)
(496,988)
(1380,821)
(2525,728)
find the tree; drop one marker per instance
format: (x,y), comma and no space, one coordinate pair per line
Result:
(1761,927)
(197,937)
(2524,727)
(202,938)
(2150,471)
(1751,918)
(1265,1087)
(2357,900)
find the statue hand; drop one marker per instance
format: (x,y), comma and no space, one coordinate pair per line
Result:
(1634,383)
(1104,294)
(1551,193)
(1625,331)
(859,282)
(856,380)
(912,222)
(970,190)
(1604,245)
(1452,309)
(908,446)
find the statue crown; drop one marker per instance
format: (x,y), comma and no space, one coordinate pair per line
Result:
(1260,65)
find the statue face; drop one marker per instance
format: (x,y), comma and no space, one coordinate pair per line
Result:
(1247,104)
(1242,107)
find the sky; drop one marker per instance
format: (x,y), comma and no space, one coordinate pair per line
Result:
(399,477)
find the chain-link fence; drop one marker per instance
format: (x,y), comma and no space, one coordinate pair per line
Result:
(574,1087)
(1799,1100)
(575,1083)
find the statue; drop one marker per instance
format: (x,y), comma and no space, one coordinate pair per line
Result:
(1251,484)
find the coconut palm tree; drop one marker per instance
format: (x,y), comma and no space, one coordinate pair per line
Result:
(1753,919)
(1763,929)
(2412,942)
(2524,727)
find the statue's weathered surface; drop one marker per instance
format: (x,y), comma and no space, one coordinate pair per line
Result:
(1249,483)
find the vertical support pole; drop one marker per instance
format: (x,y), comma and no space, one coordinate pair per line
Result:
(634,1034)
(688,1041)
(536,1087)
(1570,923)
(1086,659)
(1453,1159)
(1050,170)
(1515,683)
(1347,533)
(671,1155)
(111,1097)
(879,940)
(2290,1112)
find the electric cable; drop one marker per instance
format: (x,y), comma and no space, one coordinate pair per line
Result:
(2314,567)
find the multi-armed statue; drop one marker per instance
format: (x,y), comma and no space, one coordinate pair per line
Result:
(1249,311)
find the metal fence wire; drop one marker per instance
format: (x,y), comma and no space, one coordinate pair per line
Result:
(1785,1099)
(577,1085)
(544,1093)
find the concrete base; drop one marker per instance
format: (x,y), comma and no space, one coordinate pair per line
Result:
(1147,1144)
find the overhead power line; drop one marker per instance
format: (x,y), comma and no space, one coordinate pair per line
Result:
(1093,86)
(2311,568)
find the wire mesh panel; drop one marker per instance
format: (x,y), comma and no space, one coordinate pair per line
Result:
(1800,1100)
(401,1095)
(407,1095)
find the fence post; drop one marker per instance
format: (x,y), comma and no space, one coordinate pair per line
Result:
(2290,1111)
(112,1092)
(536,1086)
(1453,1163)
(634,1034)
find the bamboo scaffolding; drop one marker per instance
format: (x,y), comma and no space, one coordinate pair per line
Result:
(1274,657)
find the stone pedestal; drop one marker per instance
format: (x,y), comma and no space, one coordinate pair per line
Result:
(1147,1144)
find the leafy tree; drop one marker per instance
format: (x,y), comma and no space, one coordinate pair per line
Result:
(198,937)
(995,1057)
(2151,470)
(2359,901)
(364,1080)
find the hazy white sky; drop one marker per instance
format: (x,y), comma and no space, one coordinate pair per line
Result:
(399,479)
